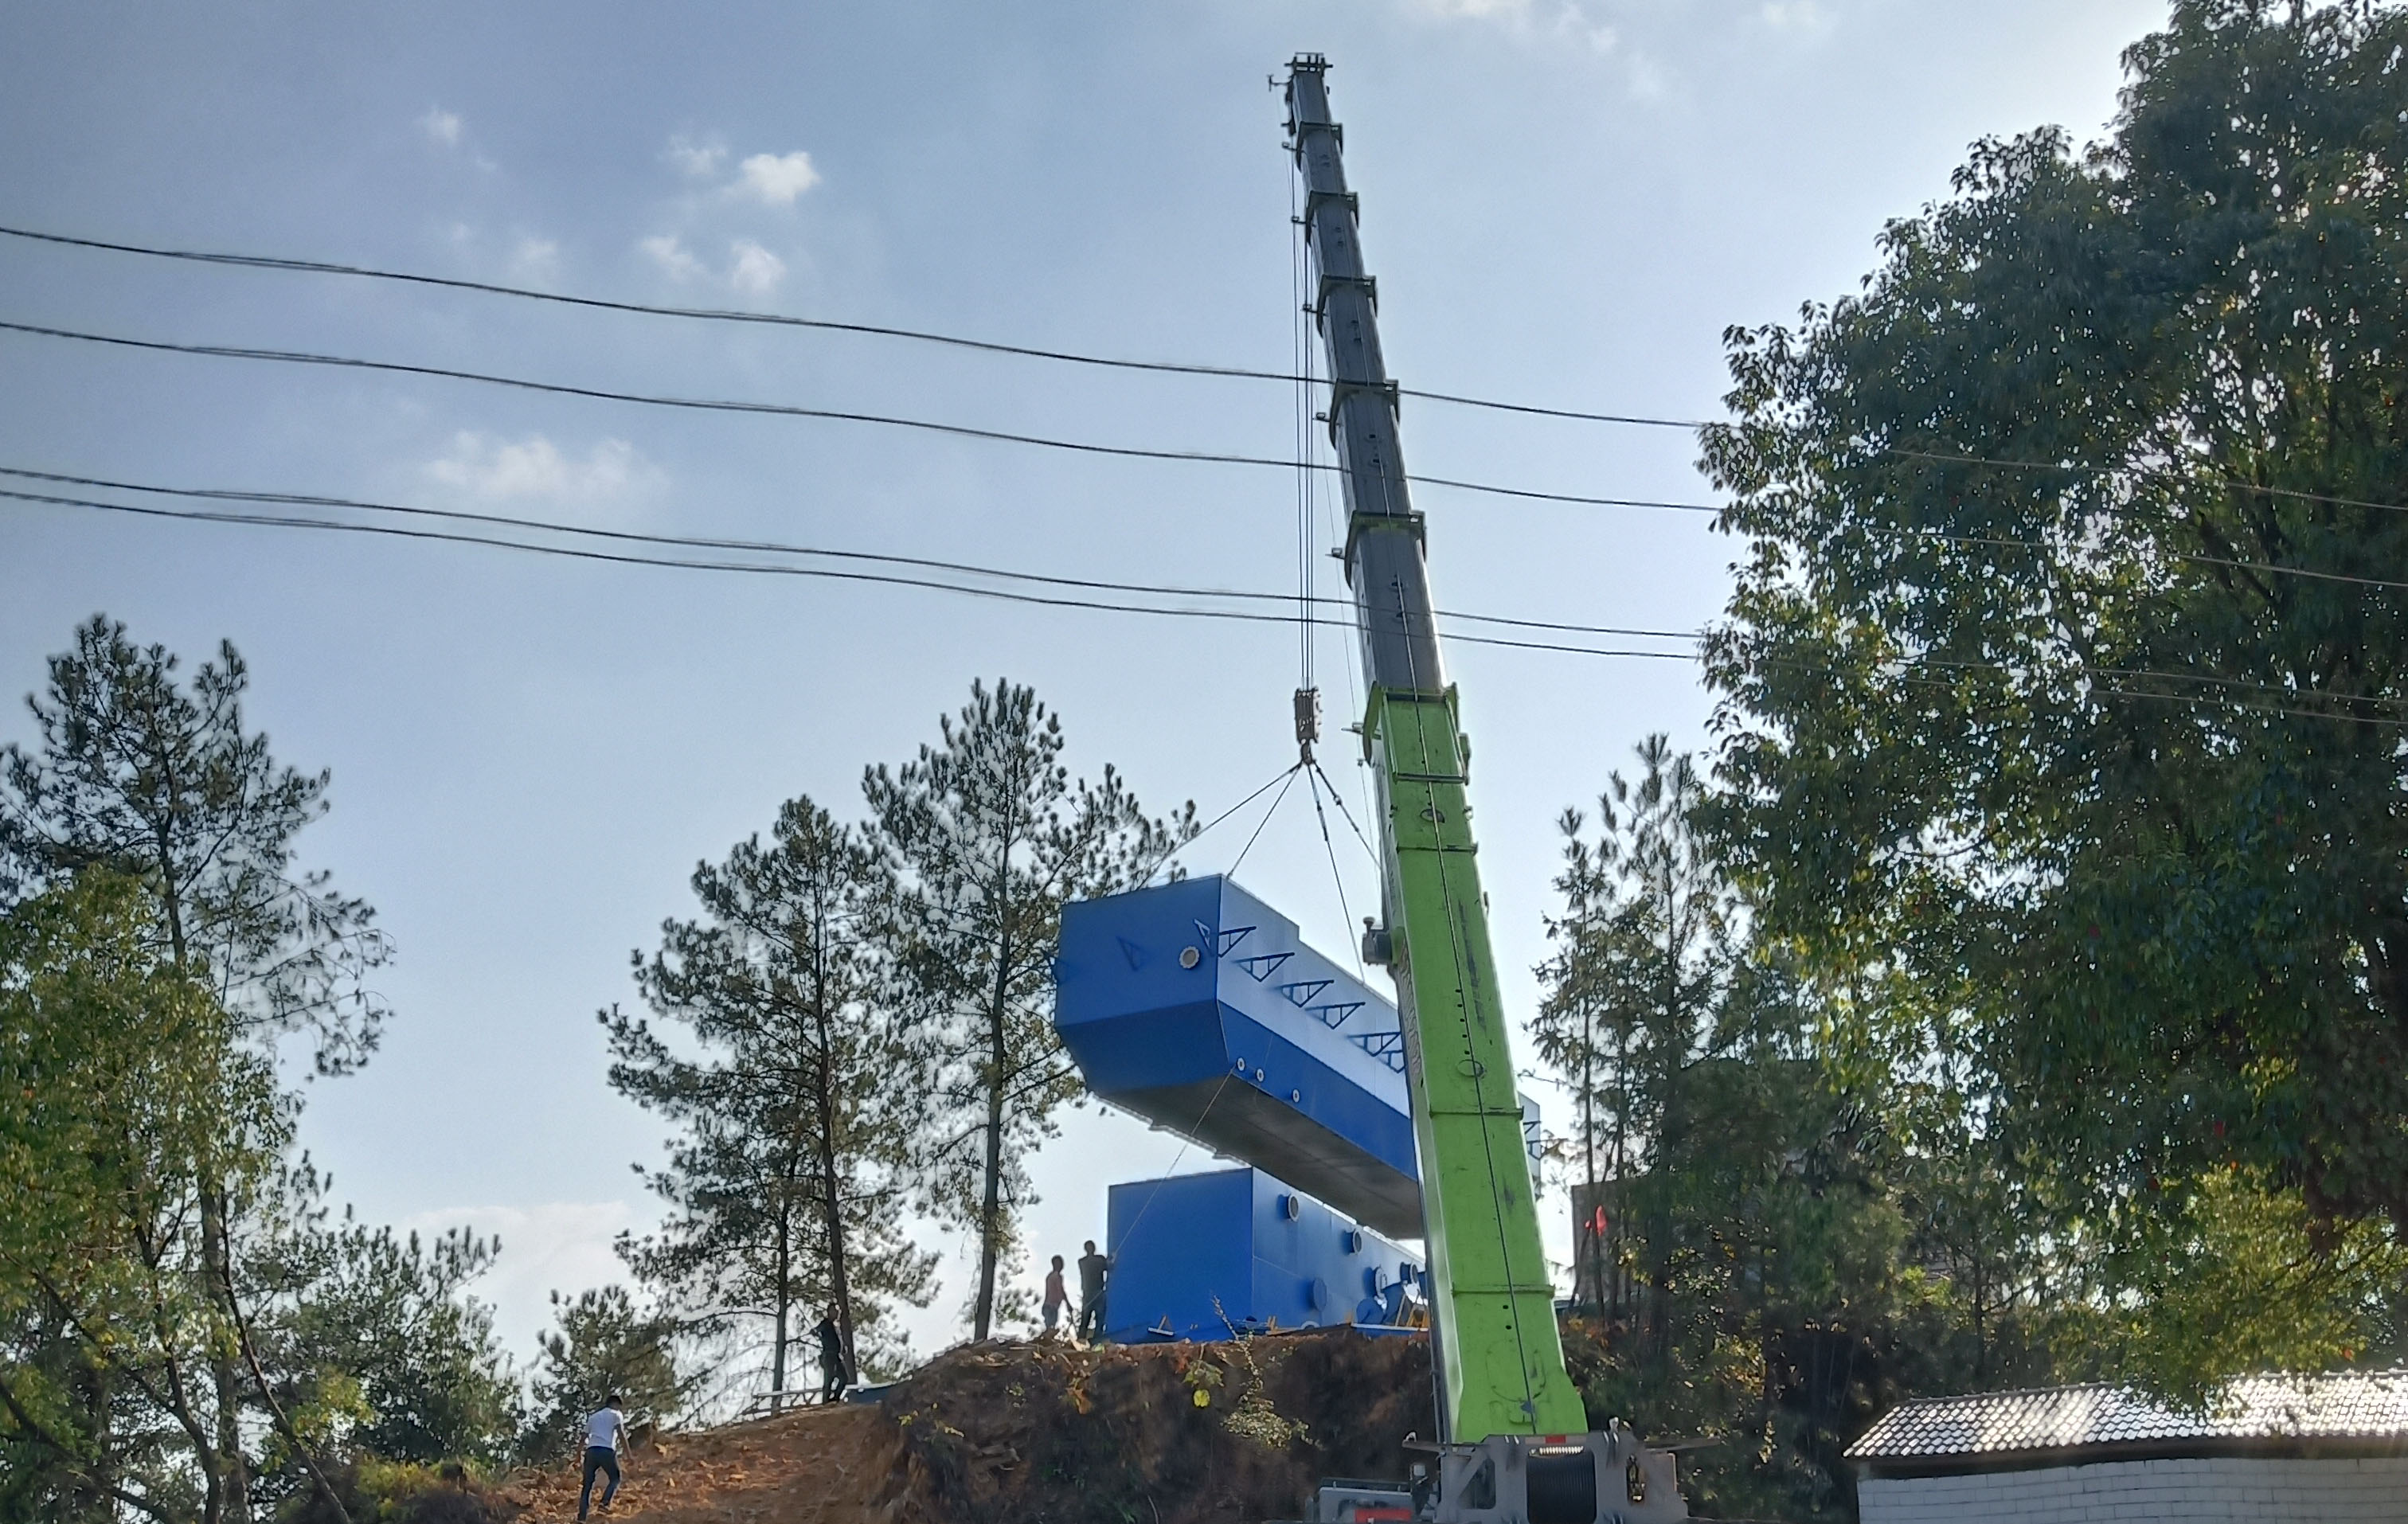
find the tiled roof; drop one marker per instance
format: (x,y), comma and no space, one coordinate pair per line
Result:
(2345,1405)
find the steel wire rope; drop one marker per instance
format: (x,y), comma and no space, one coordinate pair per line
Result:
(1277,799)
(267,521)
(783,410)
(1186,1141)
(1300,361)
(1349,817)
(1163,862)
(1345,908)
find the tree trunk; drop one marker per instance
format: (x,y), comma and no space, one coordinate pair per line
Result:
(1588,1156)
(783,1299)
(830,1193)
(228,1473)
(217,1272)
(991,1203)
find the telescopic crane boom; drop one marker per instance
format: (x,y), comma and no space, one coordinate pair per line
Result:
(1514,1438)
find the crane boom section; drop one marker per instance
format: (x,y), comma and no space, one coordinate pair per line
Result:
(1500,1360)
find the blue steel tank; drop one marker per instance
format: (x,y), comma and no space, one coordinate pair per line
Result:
(1199,1008)
(1232,1252)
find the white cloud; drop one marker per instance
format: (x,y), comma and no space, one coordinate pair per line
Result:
(440,126)
(756,270)
(500,470)
(552,1246)
(776,178)
(665,249)
(1796,16)
(536,257)
(695,160)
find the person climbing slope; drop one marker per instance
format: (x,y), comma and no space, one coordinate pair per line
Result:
(606,1428)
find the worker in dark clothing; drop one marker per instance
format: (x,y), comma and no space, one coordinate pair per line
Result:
(831,1340)
(1093,1268)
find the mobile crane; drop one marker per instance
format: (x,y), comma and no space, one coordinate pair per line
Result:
(1513,1445)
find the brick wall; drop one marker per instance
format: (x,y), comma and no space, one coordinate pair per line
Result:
(2263,1490)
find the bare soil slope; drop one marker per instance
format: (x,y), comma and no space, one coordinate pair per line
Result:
(1043,1433)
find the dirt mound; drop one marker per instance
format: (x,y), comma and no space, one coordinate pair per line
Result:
(1040,1434)
(833,1466)
(1043,1433)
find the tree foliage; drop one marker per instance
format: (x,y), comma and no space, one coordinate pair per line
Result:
(375,1340)
(123,1101)
(990,836)
(2064,675)
(138,773)
(605,1342)
(182,1336)
(1753,1281)
(799,1111)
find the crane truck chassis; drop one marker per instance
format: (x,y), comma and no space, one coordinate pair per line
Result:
(1513,1445)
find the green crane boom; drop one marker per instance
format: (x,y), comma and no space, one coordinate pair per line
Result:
(1500,1361)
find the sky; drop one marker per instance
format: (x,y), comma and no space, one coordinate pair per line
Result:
(1564,204)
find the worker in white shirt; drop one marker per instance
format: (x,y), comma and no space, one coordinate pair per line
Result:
(604,1432)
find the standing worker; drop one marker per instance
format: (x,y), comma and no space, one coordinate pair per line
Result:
(1093,1268)
(604,1431)
(1057,1297)
(831,1357)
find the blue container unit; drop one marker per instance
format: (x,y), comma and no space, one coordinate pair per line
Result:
(1197,1256)
(1199,1008)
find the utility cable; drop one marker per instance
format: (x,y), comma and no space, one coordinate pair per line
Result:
(999,595)
(395,531)
(2276,567)
(708,314)
(1145,452)
(781,409)
(265,261)
(779,548)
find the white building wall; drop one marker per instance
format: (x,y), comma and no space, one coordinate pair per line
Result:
(2261,1489)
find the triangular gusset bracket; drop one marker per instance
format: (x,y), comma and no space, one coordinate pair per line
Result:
(1224,941)
(1388,1048)
(1337,1013)
(1263,964)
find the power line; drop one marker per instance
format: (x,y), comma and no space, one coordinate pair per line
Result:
(2275,566)
(757,569)
(781,548)
(279,263)
(713,314)
(1001,595)
(302,357)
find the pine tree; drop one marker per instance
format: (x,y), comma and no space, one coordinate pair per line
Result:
(140,775)
(798,1113)
(991,836)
